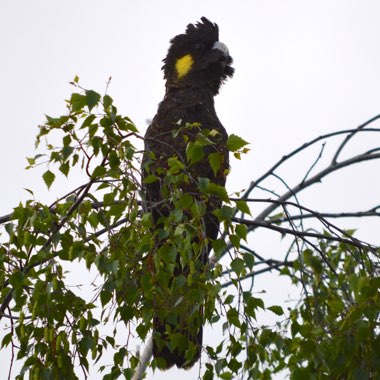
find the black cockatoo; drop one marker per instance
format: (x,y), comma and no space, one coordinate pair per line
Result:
(195,67)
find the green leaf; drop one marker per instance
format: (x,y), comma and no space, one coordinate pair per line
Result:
(66,152)
(219,245)
(130,125)
(55,122)
(253,301)
(312,261)
(75,159)
(7,339)
(17,279)
(48,178)
(31,160)
(215,160)
(237,265)
(175,165)
(66,140)
(77,102)
(88,121)
(276,309)
(249,260)
(150,179)
(125,124)
(209,374)
(235,143)
(241,231)
(225,213)
(300,374)
(99,171)
(92,99)
(65,168)
(194,153)
(210,188)
(243,207)
(184,201)
(29,191)
(113,160)
(234,365)
(105,297)
(9,227)
(233,317)
(168,253)
(235,240)
(226,375)
(203,184)
(180,281)
(146,220)
(107,101)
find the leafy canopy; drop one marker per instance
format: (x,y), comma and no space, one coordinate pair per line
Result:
(59,331)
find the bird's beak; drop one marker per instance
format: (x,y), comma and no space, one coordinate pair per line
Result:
(221,47)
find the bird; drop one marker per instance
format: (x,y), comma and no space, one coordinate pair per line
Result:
(196,66)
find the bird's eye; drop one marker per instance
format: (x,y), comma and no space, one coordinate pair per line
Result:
(199,47)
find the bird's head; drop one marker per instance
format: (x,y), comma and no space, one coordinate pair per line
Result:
(197,58)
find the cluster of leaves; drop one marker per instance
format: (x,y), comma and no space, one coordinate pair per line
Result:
(58,331)
(54,327)
(333,331)
(186,287)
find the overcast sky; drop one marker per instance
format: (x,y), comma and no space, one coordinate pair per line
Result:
(303,68)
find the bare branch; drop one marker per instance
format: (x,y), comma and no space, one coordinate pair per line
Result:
(317,178)
(305,146)
(286,231)
(256,273)
(356,214)
(6,218)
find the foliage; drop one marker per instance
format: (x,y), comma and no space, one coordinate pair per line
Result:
(58,331)
(334,330)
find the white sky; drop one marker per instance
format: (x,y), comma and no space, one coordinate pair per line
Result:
(303,68)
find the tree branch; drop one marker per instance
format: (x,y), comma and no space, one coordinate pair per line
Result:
(255,273)
(317,178)
(252,224)
(305,146)
(47,244)
(351,135)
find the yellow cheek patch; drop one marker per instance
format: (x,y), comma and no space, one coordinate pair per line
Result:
(183,65)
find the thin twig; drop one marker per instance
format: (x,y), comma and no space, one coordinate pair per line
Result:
(314,163)
(255,273)
(350,136)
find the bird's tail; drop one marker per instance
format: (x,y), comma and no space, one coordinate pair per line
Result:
(188,350)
